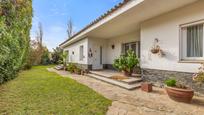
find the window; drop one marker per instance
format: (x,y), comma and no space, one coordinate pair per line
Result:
(81,53)
(135,46)
(192,42)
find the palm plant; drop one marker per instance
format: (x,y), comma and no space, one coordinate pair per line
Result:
(64,57)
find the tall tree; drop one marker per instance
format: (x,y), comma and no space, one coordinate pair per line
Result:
(70,29)
(37,49)
(40,33)
(15,25)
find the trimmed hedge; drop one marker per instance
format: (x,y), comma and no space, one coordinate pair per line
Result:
(15,25)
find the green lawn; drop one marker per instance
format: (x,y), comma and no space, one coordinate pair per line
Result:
(39,92)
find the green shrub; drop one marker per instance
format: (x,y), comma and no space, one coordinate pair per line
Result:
(120,63)
(56,55)
(199,77)
(132,60)
(77,70)
(15,25)
(170,82)
(71,67)
(126,62)
(27,66)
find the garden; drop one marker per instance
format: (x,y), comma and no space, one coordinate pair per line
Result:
(25,86)
(38,91)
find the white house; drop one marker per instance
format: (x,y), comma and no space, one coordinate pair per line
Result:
(175,25)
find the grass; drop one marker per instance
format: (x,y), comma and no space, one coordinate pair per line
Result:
(39,92)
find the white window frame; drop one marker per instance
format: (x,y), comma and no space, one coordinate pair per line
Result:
(81,52)
(183,44)
(129,45)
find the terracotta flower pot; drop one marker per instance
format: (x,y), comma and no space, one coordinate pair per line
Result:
(180,95)
(126,73)
(147,87)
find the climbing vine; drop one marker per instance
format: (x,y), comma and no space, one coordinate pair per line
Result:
(15,25)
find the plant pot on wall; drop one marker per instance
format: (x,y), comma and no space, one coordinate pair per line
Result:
(155,50)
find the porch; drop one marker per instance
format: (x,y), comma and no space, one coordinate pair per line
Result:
(117,78)
(103,52)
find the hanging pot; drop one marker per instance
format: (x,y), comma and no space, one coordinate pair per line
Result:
(155,50)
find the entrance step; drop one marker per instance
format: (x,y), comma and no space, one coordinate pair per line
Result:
(131,80)
(123,84)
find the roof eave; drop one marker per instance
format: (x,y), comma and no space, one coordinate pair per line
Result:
(108,13)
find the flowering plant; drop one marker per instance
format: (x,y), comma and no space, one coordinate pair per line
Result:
(199,77)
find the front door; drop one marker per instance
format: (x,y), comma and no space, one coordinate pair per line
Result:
(97,58)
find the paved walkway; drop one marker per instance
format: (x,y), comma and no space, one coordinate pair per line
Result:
(136,102)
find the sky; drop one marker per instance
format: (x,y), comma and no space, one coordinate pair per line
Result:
(54,15)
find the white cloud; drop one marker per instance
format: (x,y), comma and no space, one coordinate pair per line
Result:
(53,36)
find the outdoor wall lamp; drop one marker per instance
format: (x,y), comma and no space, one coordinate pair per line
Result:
(113,46)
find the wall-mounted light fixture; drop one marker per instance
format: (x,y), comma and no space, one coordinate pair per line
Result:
(90,54)
(113,46)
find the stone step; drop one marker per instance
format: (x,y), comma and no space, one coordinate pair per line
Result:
(101,74)
(115,82)
(112,74)
(136,75)
(132,80)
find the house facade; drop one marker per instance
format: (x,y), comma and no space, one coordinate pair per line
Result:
(176,26)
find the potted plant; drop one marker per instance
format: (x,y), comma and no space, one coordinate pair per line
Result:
(199,77)
(147,87)
(156,49)
(126,63)
(178,92)
(120,64)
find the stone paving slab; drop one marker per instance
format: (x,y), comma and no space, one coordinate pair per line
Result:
(136,102)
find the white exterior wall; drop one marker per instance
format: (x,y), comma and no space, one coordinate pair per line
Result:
(94,44)
(166,29)
(117,42)
(75,47)
(108,53)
